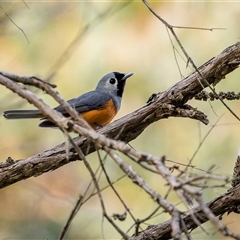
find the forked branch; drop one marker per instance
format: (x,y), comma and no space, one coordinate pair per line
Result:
(162,105)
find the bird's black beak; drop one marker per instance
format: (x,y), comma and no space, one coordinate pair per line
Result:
(127,75)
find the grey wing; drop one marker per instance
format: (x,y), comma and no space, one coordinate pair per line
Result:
(86,102)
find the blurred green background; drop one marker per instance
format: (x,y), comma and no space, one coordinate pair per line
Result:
(126,38)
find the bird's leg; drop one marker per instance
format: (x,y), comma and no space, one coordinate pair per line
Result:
(98,126)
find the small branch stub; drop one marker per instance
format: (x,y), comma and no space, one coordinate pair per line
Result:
(236,173)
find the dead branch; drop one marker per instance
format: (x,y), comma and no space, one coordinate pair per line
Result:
(204,96)
(219,206)
(162,105)
(170,103)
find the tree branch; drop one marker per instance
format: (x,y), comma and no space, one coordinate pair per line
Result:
(162,105)
(225,203)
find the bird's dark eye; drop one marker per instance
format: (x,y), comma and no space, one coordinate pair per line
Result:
(112,80)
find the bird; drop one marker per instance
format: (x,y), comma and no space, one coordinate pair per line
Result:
(97,107)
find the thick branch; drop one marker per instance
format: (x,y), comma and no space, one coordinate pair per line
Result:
(162,105)
(225,203)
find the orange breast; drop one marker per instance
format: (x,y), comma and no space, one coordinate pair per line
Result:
(102,116)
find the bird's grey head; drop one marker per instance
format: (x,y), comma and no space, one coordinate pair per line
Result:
(113,83)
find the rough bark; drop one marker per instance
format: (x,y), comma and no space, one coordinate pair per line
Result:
(226,203)
(170,103)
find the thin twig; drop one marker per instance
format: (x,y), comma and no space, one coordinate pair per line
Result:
(15,24)
(200,145)
(123,234)
(113,188)
(81,33)
(171,28)
(71,217)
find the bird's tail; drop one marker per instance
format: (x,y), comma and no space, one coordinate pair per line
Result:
(19,114)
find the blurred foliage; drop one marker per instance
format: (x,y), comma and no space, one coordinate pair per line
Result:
(127,37)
